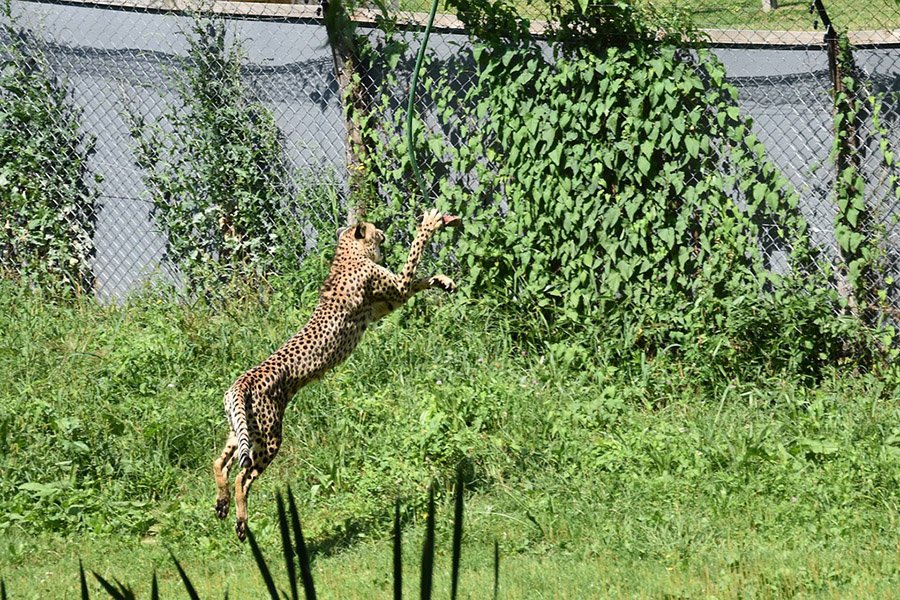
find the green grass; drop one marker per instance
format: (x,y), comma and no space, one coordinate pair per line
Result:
(363,571)
(791,15)
(641,479)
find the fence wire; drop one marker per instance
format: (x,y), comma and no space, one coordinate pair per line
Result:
(125,69)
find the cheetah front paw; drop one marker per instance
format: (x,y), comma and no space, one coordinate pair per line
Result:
(435,219)
(240,528)
(451,220)
(432,220)
(443,282)
(222,507)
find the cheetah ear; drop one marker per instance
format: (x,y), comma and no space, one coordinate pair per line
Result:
(360,231)
(340,232)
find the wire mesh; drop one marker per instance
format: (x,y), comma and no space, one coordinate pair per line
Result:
(122,59)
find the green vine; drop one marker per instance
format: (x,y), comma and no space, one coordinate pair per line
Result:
(858,232)
(216,171)
(887,292)
(613,182)
(48,200)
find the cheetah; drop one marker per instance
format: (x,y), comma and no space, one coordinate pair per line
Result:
(357,291)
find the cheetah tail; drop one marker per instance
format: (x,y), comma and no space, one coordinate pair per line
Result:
(236,400)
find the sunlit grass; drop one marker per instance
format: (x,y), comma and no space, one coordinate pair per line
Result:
(791,15)
(628,480)
(732,570)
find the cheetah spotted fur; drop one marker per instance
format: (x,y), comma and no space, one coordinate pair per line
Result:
(357,292)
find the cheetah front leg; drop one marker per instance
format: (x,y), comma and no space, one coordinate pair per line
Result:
(388,297)
(390,291)
(431,222)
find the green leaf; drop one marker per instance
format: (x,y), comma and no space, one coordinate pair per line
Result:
(556,155)
(692,145)
(667,235)
(643,165)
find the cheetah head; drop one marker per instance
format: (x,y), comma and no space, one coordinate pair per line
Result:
(364,238)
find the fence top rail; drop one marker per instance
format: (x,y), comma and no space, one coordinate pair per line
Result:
(223,7)
(452,24)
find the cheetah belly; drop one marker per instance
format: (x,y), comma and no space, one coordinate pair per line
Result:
(310,357)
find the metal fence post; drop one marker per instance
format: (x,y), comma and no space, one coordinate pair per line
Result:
(846,138)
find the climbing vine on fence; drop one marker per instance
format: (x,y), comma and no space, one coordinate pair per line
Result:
(613,180)
(48,203)
(858,226)
(887,290)
(216,172)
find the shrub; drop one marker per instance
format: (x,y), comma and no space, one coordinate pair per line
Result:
(48,205)
(613,182)
(216,171)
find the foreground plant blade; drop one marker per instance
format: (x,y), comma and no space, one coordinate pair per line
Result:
(305,571)
(84,590)
(2,590)
(188,586)
(154,587)
(496,569)
(398,554)
(117,590)
(286,546)
(428,548)
(457,533)
(263,567)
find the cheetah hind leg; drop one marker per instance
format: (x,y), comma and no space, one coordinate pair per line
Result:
(220,470)
(242,484)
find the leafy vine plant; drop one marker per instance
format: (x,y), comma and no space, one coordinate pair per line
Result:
(611,180)
(48,195)
(859,227)
(216,171)
(888,292)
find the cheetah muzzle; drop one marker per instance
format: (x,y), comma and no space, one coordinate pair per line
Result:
(357,292)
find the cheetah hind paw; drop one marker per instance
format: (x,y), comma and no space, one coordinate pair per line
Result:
(240,528)
(222,507)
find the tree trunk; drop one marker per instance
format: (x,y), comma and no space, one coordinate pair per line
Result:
(354,98)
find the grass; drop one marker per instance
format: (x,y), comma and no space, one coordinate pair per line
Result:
(632,480)
(791,15)
(363,571)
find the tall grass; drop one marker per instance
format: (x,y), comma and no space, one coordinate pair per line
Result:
(650,475)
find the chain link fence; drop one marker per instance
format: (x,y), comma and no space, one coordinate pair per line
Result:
(128,68)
